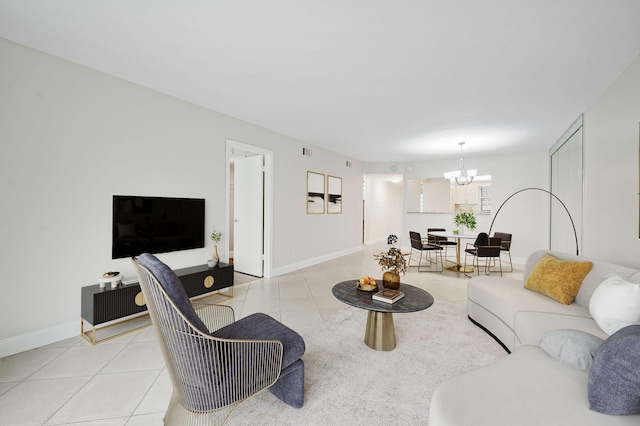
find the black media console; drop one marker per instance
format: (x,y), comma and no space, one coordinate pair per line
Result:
(102,305)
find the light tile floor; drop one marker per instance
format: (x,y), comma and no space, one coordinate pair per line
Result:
(123,381)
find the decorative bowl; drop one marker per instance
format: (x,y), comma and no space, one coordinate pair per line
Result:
(367,284)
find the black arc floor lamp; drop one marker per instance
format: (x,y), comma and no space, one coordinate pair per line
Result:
(575,234)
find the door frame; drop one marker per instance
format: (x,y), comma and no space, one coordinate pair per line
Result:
(233,146)
(567,184)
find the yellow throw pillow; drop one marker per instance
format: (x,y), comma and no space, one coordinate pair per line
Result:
(558,279)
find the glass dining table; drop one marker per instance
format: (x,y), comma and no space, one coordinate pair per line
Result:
(458,267)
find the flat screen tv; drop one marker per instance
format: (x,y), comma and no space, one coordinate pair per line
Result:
(156,225)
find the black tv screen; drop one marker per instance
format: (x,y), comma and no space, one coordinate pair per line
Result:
(156,225)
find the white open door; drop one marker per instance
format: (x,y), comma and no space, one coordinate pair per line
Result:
(248,220)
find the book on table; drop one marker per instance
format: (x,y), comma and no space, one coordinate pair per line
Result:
(388,296)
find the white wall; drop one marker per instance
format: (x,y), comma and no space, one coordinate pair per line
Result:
(611,135)
(526,215)
(383,208)
(71,137)
(300,239)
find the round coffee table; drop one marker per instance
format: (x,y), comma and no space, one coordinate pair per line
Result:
(380,333)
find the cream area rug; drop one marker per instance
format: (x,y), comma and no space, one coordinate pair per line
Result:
(346,382)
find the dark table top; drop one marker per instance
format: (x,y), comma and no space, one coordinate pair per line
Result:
(415,299)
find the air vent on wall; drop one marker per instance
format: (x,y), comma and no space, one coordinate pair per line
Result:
(348,164)
(306,151)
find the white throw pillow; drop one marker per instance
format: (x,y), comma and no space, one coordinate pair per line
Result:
(615,304)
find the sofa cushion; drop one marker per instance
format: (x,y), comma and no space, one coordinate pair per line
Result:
(517,316)
(614,379)
(526,388)
(531,326)
(558,279)
(615,304)
(505,297)
(574,348)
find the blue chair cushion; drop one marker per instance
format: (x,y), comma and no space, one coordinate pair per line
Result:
(260,326)
(173,287)
(290,385)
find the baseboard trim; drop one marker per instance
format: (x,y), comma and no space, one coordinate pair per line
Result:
(489,333)
(314,261)
(35,339)
(375,241)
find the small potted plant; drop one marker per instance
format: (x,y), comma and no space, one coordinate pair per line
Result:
(215,236)
(465,220)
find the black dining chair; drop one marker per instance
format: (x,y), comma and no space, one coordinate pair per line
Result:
(425,248)
(439,240)
(505,245)
(484,248)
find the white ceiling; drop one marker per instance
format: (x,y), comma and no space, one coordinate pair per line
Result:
(392,80)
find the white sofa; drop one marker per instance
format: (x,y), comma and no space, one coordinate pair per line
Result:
(527,387)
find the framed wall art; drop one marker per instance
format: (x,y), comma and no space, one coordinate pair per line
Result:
(334,194)
(315,193)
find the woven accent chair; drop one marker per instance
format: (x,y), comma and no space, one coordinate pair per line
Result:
(441,241)
(481,249)
(422,246)
(214,362)
(505,245)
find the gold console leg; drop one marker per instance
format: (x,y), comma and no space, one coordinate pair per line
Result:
(380,334)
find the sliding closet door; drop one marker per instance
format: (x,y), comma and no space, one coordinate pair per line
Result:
(566,184)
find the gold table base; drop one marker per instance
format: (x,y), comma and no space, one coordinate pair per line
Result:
(460,268)
(380,333)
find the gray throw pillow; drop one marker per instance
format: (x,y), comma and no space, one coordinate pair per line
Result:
(614,379)
(574,348)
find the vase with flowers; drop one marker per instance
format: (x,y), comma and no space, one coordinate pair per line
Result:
(393,264)
(215,236)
